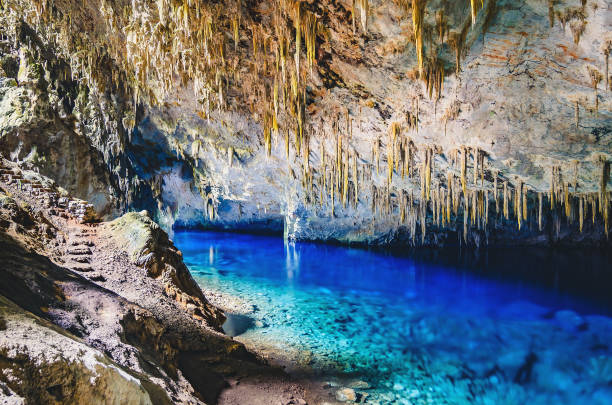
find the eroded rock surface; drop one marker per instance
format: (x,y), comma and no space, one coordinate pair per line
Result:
(118,290)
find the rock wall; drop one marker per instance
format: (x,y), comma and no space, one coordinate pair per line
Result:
(103,312)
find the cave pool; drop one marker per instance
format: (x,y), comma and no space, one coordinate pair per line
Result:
(405,331)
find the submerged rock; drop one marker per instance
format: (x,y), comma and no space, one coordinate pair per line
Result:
(346,395)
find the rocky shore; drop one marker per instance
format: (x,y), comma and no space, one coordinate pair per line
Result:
(101,312)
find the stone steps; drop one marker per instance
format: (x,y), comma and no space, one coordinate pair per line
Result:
(80,267)
(78,251)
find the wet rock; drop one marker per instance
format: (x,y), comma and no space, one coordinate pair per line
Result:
(346,395)
(260,324)
(359,385)
(569,320)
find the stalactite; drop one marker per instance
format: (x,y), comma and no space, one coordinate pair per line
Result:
(394,132)
(455,40)
(355,179)
(364,8)
(596,78)
(495,191)
(506,199)
(449,185)
(474,206)
(551,13)
(540,211)
(603,194)
(463,170)
(566,202)
(525,207)
(298,37)
(577,114)
(353,15)
(486,203)
(553,183)
(418,9)
(581,213)
(465,219)
(345,173)
(476,5)
(518,203)
(475,156)
(607,48)
(441,25)
(377,154)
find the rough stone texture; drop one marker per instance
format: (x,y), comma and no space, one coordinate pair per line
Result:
(148,246)
(45,364)
(198,153)
(133,301)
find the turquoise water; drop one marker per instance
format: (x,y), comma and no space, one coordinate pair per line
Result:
(401,331)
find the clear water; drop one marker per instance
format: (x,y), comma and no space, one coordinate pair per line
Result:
(414,332)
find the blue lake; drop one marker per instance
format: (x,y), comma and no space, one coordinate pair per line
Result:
(407,331)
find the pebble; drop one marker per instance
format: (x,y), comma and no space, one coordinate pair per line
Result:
(359,385)
(414,394)
(346,394)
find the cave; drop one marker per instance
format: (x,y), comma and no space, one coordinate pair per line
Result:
(305,202)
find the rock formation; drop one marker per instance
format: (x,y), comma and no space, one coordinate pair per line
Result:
(427,122)
(103,312)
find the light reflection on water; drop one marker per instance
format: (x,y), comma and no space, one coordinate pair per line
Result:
(407,326)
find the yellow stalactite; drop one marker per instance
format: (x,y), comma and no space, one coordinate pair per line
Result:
(417,24)
(463,170)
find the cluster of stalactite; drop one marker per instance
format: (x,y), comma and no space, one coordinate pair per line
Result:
(422,186)
(187,42)
(207,45)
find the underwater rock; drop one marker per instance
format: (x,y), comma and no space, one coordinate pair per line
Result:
(236,324)
(346,395)
(569,320)
(359,385)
